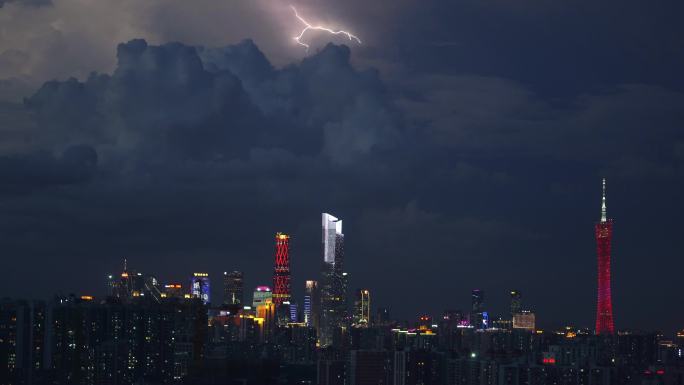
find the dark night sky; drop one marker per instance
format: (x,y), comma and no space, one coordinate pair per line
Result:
(463,144)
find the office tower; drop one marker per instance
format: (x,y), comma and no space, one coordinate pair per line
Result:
(113,283)
(137,283)
(294,312)
(130,284)
(516,302)
(233,288)
(476,313)
(362,308)
(283,314)
(524,319)
(604,305)
(281,274)
(262,294)
(120,285)
(312,304)
(477,300)
(199,287)
(333,294)
(332,237)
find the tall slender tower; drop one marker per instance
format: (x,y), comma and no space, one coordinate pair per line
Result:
(281,274)
(604,304)
(333,288)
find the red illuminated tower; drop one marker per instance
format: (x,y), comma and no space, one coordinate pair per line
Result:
(604,304)
(281,275)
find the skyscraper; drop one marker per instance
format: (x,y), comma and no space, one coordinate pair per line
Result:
(333,294)
(604,305)
(332,236)
(262,294)
(476,311)
(233,288)
(516,302)
(362,308)
(199,287)
(525,319)
(281,273)
(477,300)
(294,312)
(312,304)
(131,284)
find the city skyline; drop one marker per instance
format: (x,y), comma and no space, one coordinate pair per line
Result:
(459,155)
(175,176)
(333,237)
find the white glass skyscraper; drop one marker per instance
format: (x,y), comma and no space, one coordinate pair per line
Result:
(333,282)
(332,228)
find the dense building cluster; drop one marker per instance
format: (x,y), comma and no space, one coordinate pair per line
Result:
(177,340)
(146,332)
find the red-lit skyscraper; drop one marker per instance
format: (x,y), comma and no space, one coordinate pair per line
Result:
(281,275)
(604,304)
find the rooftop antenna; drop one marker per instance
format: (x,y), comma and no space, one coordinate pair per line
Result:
(603,202)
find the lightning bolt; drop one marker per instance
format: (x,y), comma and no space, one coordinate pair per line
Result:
(308,26)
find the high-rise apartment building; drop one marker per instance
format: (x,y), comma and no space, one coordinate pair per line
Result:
(23,337)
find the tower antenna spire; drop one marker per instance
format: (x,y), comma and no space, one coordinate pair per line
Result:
(603,202)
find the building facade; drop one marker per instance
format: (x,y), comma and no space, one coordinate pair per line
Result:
(233,288)
(312,305)
(200,288)
(262,294)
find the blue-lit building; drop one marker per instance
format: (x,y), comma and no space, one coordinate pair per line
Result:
(312,305)
(199,287)
(294,312)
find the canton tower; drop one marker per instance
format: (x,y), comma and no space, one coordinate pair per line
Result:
(604,304)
